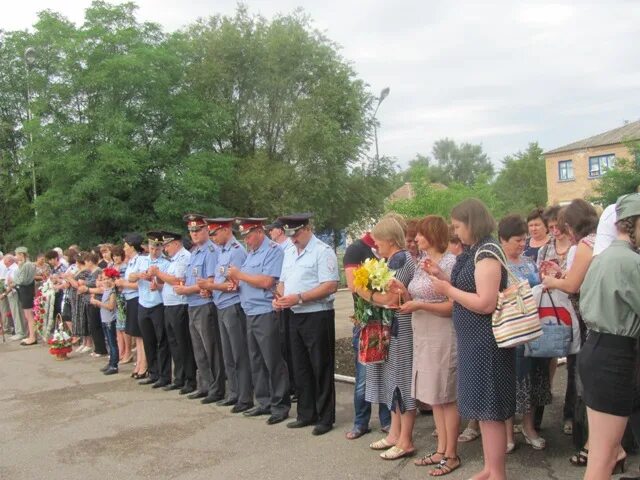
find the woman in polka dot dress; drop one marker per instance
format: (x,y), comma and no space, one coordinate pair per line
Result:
(486,373)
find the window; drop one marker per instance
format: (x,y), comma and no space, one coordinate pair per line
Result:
(600,164)
(565,170)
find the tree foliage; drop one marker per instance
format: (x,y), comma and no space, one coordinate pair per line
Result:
(621,180)
(130,126)
(525,171)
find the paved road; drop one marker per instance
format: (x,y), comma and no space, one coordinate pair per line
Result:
(65,420)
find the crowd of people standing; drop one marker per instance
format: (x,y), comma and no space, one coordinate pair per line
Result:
(252,326)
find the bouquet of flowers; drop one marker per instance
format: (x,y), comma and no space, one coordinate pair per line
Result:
(375,322)
(60,342)
(374,275)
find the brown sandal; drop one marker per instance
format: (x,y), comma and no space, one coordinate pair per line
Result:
(428,459)
(443,468)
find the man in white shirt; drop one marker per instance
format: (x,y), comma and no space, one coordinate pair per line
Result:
(12,298)
(4,305)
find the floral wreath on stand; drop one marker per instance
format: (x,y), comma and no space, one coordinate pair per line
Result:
(43,309)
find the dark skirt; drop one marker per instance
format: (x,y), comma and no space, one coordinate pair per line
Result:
(131,325)
(606,365)
(26,293)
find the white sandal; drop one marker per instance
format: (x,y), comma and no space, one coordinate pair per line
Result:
(468,435)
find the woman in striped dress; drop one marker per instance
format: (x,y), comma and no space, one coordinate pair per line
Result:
(390,382)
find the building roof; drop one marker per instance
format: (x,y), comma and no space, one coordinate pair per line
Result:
(630,131)
(407,191)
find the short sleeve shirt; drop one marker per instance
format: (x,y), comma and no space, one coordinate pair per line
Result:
(265,260)
(149,298)
(232,253)
(315,264)
(176,267)
(202,264)
(132,266)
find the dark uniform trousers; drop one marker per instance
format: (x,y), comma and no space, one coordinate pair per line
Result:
(95,330)
(176,322)
(285,344)
(156,347)
(313,351)
(268,368)
(233,336)
(207,350)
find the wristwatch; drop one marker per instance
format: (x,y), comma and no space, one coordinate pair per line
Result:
(300,301)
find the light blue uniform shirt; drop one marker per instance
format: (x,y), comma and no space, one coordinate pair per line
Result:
(132,266)
(232,253)
(265,260)
(202,264)
(316,264)
(177,267)
(149,298)
(286,245)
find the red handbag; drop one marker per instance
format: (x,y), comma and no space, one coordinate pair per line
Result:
(374,343)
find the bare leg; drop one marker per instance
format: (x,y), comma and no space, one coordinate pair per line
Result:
(28,315)
(407,420)
(141,361)
(509,431)
(605,443)
(494,445)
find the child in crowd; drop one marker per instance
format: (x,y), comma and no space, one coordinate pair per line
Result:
(108,316)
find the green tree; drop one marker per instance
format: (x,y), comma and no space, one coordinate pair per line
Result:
(525,171)
(621,180)
(437,201)
(462,163)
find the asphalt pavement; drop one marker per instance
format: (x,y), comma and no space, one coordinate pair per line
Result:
(65,420)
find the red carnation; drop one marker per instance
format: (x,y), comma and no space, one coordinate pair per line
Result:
(111,272)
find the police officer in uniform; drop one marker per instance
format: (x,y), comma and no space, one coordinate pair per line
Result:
(257,279)
(203,320)
(275,231)
(308,282)
(231,318)
(151,314)
(176,317)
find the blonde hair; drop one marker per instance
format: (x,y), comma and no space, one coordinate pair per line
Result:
(390,229)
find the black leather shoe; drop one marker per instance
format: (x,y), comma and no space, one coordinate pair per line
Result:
(321,429)
(257,411)
(148,381)
(238,408)
(299,424)
(186,389)
(273,419)
(210,399)
(171,386)
(227,402)
(105,368)
(160,384)
(111,371)
(196,395)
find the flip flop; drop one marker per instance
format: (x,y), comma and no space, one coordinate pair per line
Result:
(381,445)
(356,432)
(394,453)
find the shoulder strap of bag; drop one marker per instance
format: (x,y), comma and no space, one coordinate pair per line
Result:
(555,310)
(501,259)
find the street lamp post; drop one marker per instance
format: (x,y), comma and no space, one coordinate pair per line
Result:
(29,60)
(383,94)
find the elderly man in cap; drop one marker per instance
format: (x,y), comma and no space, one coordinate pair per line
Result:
(231,318)
(308,282)
(151,314)
(176,317)
(203,319)
(257,278)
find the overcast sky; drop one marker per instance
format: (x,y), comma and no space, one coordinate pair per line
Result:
(500,73)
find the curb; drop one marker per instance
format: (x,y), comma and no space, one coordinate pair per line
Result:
(344,379)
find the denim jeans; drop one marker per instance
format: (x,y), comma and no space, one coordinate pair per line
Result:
(109,330)
(361,406)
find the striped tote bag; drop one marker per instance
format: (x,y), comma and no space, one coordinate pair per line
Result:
(515,320)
